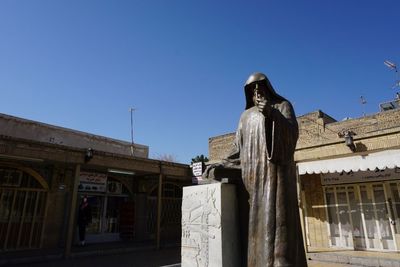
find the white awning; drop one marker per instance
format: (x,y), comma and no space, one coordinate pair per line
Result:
(381,160)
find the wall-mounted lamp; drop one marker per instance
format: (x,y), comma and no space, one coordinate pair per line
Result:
(88,154)
(348,139)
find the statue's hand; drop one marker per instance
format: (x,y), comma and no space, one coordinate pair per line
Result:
(263,106)
(209,172)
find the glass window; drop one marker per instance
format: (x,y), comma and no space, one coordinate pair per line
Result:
(355,211)
(332,215)
(113,213)
(395,205)
(96,204)
(368,210)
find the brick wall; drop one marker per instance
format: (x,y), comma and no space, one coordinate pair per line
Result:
(313,201)
(220,146)
(318,136)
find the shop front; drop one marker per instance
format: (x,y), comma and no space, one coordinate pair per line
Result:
(364,216)
(111,205)
(23,197)
(359,208)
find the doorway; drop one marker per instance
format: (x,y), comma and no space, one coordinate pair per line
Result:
(363,216)
(106,218)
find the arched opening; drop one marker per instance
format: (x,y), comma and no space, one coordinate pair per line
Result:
(170,213)
(23,194)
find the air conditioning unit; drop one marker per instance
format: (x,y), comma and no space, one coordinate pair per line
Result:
(114,187)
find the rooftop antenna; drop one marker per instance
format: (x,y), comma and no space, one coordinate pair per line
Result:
(393,66)
(132,143)
(363,102)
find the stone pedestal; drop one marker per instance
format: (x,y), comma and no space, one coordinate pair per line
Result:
(210,234)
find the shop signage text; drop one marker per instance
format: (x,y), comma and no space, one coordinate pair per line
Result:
(197,170)
(93,182)
(360,176)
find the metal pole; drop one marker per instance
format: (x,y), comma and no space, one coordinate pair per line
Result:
(159,207)
(132,144)
(71,221)
(363,102)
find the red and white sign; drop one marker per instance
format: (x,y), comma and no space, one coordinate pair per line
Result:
(93,182)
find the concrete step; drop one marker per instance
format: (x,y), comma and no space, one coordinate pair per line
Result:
(360,260)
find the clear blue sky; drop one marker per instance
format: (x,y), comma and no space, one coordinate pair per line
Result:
(182,64)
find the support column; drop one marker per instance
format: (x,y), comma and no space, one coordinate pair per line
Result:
(159,207)
(301,203)
(71,219)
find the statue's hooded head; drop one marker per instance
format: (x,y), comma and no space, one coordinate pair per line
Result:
(261,81)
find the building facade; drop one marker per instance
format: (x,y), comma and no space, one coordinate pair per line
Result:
(45,171)
(348,180)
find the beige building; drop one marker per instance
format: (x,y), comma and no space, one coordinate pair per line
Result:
(45,170)
(348,179)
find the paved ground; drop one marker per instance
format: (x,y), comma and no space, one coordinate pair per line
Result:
(327,264)
(147,258)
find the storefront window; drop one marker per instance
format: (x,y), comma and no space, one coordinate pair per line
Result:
(355,211)
(113,214)
(332,216)
(395,206)
(344,217)
(369,215)
(364,216)
(382,212)
(96,204)
(106,196)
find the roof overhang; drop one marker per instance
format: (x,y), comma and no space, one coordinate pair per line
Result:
(381,160)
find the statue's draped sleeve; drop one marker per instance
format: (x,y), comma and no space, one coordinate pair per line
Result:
(282,133)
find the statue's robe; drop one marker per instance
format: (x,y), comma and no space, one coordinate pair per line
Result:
(264,151)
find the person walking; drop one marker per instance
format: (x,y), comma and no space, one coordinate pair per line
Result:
(84,218)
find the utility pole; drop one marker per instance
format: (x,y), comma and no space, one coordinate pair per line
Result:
(132,143)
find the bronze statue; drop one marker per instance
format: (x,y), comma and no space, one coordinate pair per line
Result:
(265,142)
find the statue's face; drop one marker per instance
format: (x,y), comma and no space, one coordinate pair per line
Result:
(260,93)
